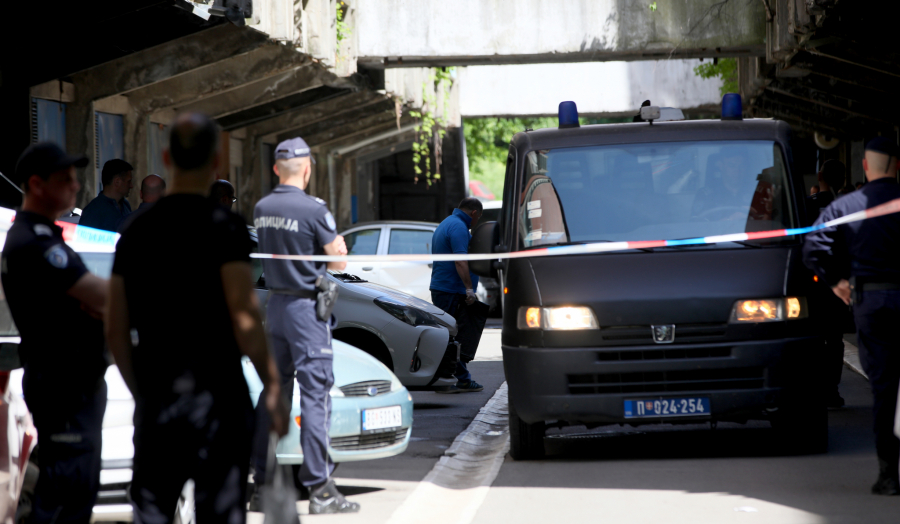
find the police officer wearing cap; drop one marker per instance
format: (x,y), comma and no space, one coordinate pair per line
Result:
(289,221)
(861,263)
(57,305)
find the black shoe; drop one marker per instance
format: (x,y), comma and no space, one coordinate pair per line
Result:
(254,504)
(835,400)
(327,499)
(469,386)
(887,481)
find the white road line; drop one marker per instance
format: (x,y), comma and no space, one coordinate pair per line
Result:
(458,484)
(851,358)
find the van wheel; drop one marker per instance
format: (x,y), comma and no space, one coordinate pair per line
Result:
(802,427)
(526,441)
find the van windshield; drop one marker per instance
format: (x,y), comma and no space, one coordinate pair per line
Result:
(658,191)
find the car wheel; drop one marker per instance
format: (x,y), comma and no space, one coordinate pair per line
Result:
(185,509)
(802,426)
(366,341)
(526,441)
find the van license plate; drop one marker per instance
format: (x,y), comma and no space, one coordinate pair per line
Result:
(382,418)
(667,407)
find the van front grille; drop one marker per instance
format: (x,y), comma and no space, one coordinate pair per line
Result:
(684,333)
(670,353)
(667,381)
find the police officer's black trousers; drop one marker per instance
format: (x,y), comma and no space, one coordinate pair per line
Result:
(196,437)
(69,427)
(301,346)
(876,315)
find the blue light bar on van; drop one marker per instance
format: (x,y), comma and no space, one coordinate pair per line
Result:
(732,109)
(568,115)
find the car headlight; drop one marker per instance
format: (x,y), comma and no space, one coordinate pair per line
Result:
(395,383)
(565,318)
(336,392)
(406,313)
(768,309)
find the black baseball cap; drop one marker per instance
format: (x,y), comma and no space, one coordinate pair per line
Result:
(44,158)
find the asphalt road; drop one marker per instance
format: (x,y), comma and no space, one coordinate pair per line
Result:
(658,474)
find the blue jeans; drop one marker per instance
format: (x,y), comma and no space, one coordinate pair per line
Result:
(450,302)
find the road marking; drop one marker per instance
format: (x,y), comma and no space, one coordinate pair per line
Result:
(456,487)
(851,358)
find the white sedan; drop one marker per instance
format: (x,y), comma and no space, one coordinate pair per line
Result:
(393,237)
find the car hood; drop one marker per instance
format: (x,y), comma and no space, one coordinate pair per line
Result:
(377,290)
(670,287)
(351,365)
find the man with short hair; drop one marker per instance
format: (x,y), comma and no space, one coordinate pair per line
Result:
(153,187)
(222,193)
(861,262)
(194,418)
(452,285)
(56,305)
(111,206)
(290,221)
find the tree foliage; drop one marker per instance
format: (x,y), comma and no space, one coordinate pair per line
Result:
(487,143)
(726,70)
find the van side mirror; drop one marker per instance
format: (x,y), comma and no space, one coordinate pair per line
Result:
(484,237)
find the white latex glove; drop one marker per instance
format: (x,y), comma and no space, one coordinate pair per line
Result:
(470,297)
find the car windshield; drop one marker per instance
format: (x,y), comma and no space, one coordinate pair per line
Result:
(657,191)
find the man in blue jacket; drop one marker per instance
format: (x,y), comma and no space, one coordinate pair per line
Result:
(452,285)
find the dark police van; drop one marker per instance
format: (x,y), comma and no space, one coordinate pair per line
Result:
(687,332)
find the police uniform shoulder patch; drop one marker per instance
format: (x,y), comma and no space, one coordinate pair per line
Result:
(330,221)
(43,230)
(57,257)
(319,200)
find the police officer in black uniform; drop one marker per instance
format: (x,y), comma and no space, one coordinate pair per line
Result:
(289,221)
(861,263)
(834,314)
(57,305)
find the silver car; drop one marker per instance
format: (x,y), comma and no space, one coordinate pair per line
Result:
(410,336)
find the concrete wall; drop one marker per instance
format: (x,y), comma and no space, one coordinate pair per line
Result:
(611,88)
(499,31)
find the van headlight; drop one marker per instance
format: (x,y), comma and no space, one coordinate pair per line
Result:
(565,318)
(768,310)
(336,392)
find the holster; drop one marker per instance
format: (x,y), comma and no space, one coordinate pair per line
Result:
(325,298)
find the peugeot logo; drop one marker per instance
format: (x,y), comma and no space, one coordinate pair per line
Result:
(372,391)
(664,334)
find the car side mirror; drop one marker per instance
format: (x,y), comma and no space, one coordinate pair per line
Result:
(484,237)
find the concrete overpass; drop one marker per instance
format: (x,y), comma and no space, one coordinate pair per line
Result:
(399,33)
(608,89)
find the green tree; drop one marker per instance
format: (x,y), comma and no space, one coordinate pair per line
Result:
(726,70)
(487,144)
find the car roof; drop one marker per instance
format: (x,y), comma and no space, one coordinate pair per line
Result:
(644,132)
(393,222)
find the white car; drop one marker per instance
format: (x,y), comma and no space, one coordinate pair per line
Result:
(392,237)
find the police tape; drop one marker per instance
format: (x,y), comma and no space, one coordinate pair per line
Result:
(596,247)
(85,239)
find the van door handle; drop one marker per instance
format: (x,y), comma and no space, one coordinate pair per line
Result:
(367,268)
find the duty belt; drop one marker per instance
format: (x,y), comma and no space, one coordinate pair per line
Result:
(302,293)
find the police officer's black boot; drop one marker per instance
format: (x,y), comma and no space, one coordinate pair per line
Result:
(886,483)
(327,499)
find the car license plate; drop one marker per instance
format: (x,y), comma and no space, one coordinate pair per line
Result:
(667,407)
(382,418)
